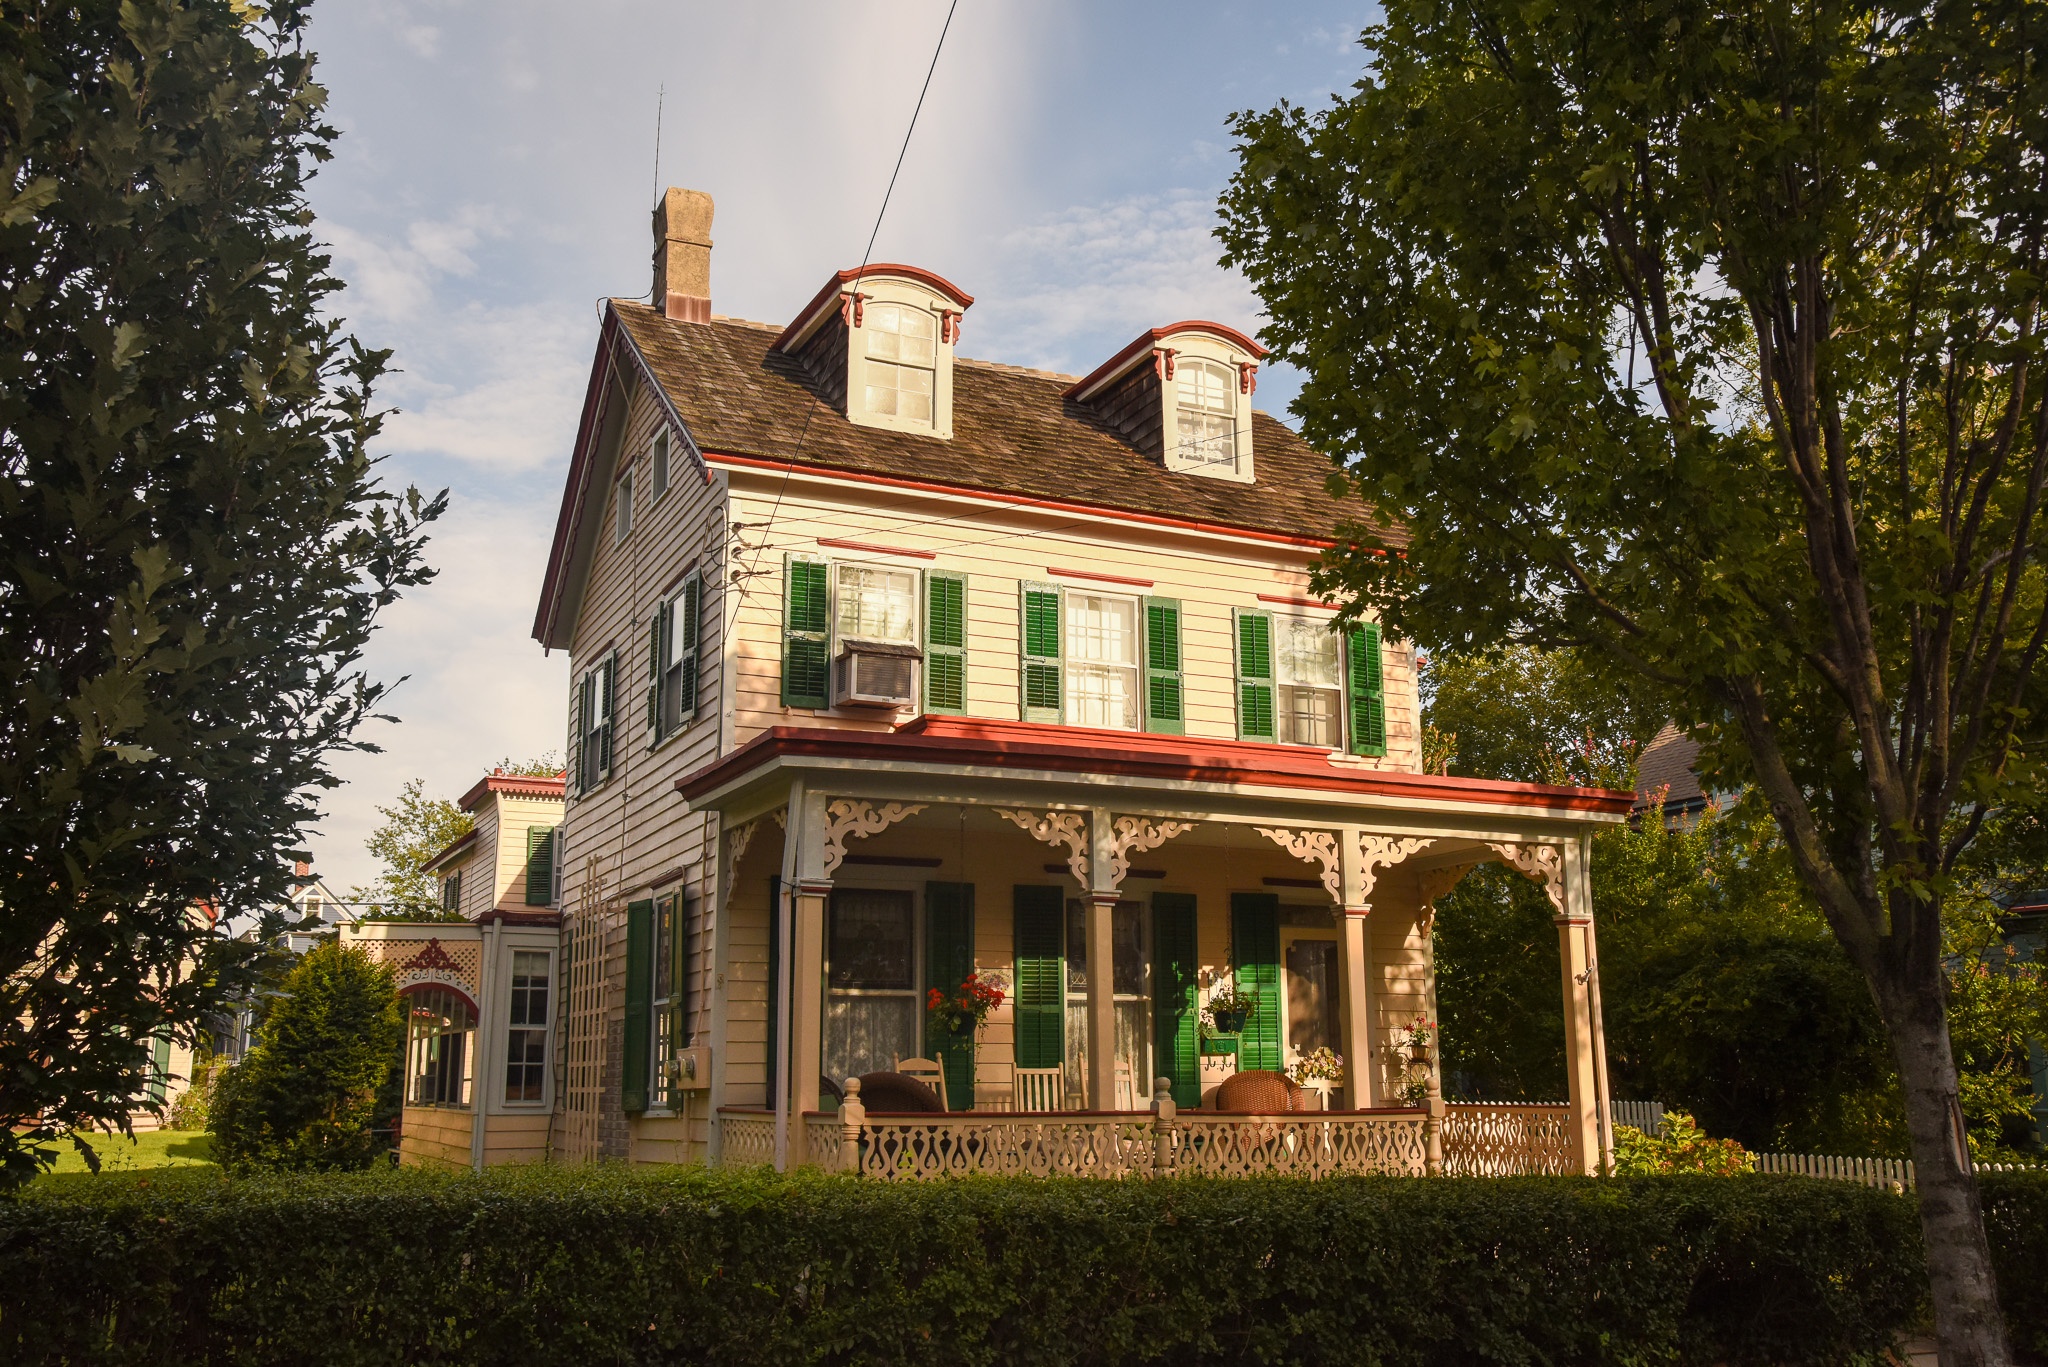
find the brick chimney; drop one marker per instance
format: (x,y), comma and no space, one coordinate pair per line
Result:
(682,255)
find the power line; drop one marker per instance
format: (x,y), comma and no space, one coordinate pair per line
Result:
(866,256)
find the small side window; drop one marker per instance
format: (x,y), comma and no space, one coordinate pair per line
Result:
(622,523)
(659,467)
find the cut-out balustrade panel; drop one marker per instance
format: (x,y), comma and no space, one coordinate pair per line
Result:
(914,1148)
(1488,1139)
(746,1138)
(1298,1145)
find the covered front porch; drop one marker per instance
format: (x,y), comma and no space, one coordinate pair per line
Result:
(862,871)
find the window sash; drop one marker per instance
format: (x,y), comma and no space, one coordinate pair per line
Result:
(622,516)
(658,464)
(875,603)
(899,391)
(899,332)
(1102,695)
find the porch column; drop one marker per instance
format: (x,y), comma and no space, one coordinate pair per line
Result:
(805,888)
(1355,1000)
(1102,899)
(1581,1045)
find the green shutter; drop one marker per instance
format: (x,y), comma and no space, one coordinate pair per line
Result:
(579,722)
(540,865)
(1039,641)
(806,633)
(159,1068)
(639,987)
(1041,989)
(679,991)
(1165,709)
(945,644)
(1254,675)
(655,632)
(948,958)
(692,625)
(1176,1017)
(1368,696)
(611,712)
(1255,953)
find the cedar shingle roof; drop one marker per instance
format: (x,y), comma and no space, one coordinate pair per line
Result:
(1013,433)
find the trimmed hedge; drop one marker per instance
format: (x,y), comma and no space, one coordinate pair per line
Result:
(605,1265)
(2016,1218)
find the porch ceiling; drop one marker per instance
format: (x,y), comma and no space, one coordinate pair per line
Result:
(965,760)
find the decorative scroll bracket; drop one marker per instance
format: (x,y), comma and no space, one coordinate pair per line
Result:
(849,818)
(1137,834)
(1544,863)
(1376,852)
(738,838)
(1311,847)
(1056,828)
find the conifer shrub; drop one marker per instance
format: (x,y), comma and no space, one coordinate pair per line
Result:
(312,1092)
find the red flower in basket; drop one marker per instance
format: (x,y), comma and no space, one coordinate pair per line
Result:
(967,1008)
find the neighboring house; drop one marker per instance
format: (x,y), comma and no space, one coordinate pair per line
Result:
(889,666)
(311,897)
(2026,929)
(481,995)
(1665,775)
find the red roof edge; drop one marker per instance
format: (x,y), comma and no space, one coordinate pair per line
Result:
(1145,341)
(519,918)
(453,847)
(1084,750)
(522,785)
(840,279)
(579,462)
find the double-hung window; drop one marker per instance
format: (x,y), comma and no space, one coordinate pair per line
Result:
(526,1041)
(1310,678)
(667,993)
(876,603)
(622,516)
(902,356)
(594,696)
(1206,414)
(658,467)
(872,1006)
(1102,661)
(672,656)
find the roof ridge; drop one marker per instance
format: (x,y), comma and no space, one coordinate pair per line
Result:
(1014,369)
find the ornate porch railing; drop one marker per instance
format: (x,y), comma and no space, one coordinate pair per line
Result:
(1312,1144)
(1490,1139)
(746,1137)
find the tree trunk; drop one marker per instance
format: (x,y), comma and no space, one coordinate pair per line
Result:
(1967,1322)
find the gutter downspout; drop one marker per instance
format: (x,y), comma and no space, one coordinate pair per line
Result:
(479,1087)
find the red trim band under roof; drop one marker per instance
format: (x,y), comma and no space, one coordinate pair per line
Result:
(1143,345)
(1134,754)
(1016,500)
(520,785)
(841,279)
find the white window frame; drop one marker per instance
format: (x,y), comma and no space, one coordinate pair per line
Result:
(660,451)
(661,1023)
(622,509)
(1285,686)
(1074,666)
(420,1047)
(1200,454)
(919,930)
(600,719)
(871,334)
(542,1029)
(838,570)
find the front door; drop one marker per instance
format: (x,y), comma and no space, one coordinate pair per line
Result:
(1309,986)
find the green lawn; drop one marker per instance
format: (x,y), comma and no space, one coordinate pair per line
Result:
(151,1149)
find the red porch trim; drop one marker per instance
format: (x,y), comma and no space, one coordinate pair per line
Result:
(875,546)
(1100,578)
(1298,602)
(1085,750)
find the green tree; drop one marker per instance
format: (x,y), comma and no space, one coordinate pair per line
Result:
(194,545)
(414,830)
(1705,339)
(1528,715)
(312,1092)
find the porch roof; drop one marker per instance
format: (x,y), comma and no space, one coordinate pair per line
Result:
(978,747)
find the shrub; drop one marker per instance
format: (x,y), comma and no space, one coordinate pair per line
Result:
(2016,1219)
(190,1110)
(609,1265)
(308,1095)
(1679,1146)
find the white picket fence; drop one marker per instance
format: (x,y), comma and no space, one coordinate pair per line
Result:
(1871,1172)
(1647,1116)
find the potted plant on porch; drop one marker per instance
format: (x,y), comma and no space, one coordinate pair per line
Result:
(965,1009)
(1229,1007)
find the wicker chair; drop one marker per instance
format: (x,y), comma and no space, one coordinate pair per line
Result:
(1260,1092)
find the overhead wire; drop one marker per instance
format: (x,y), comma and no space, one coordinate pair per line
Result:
(867,255)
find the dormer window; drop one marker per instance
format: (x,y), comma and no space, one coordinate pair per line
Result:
(1206,416)
(1181,395)
(878,345)
(902,356)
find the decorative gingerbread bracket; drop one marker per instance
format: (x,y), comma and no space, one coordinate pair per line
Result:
(1137,834)
(1318,847)
(738,838)
(849,818)
(1544,863)
(1376,852)
(1056,828)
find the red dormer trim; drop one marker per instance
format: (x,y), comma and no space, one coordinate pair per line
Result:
(1148,342)
(519,785)
(824,299)
(459,845)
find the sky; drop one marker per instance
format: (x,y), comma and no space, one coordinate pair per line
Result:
(494,180)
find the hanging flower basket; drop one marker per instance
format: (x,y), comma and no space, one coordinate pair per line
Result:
(1229,1022)
(966,1009)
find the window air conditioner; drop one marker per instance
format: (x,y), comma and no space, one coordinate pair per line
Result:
(875,674)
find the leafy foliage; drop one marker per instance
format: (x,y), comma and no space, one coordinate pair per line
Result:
(323,1076)
(1705,339)
(1679,1146)
(607,1264)
(414,830)
(194,546)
